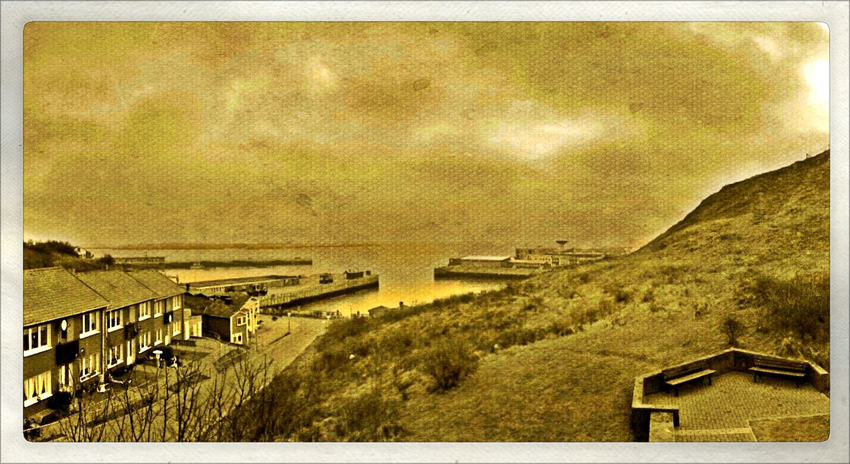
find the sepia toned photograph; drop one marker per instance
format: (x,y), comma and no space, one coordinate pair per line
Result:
(430,231)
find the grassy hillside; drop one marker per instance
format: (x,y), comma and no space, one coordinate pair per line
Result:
(54,253)
(554,358)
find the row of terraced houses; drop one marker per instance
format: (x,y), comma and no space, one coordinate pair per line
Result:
(79,327)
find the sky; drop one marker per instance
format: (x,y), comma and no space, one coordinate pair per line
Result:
(602,134)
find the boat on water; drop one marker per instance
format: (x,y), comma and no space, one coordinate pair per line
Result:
(196,265)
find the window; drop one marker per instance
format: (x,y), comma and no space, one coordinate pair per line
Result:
(144,341)
(175,302)
(175,328)
(90,325)
(144,310)
(158,337)
(237,338)
(158,308)
(36,339)
(66,376)
(37,388)
(240,320)
(90,366)
(114,320)
(116,355)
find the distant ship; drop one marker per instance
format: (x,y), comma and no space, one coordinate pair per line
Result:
(196,265)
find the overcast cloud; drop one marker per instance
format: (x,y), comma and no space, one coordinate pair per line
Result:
(600,133)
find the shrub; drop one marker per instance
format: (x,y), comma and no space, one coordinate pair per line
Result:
(396,343)
(649,296)
(60,401)
(622,296)
(341,329)
(732,328)
(330,360)
(368,417)
(449,362)
(799,305)
(605,308)
(561,328)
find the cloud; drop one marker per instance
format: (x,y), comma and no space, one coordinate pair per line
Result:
(519,132)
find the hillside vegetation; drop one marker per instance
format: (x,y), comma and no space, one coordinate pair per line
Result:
(54,253)
(554,358)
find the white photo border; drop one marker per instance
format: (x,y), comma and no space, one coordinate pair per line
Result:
(15,15)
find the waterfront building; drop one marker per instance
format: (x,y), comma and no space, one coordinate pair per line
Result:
(227,322)
(555,257)
(481,261)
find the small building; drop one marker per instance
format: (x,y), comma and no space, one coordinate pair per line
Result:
(556,257)
(82,253)
(228,322)
(379,311)
(193,325)
(349,275)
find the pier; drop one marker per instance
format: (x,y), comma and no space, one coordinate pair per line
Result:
(473,272)
(310,289)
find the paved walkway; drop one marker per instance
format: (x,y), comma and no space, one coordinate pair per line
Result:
(723,411)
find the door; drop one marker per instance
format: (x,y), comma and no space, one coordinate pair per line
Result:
(131,351)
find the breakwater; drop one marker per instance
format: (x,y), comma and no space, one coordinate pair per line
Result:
(312,290)
(455,272)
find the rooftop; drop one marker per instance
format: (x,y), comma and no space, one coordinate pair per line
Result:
(158,282)
(486,258)
(53,293)
(218,308)
(117,287)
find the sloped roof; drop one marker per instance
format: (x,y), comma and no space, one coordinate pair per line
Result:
(219,309)
(53,293)
(117,287)
(158,282)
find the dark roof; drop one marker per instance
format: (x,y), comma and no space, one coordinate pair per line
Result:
(117,287)
(158,282)
(219,309)
(53,293)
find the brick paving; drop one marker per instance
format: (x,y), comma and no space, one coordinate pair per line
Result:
(722,411)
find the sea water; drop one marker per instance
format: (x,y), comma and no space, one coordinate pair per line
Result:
(406,270)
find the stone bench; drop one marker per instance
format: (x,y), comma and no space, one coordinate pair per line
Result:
(774,367)
(676,376)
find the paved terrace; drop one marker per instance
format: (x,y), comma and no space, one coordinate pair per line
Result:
(725,410)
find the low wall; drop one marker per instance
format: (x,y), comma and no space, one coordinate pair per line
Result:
(732,359)
(661,427)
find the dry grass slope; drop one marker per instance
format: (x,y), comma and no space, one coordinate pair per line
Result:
(554,358)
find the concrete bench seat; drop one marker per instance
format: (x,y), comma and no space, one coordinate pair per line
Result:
(778,368)
(677,376)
